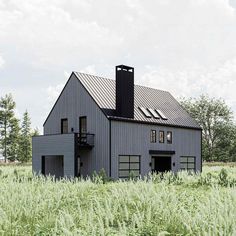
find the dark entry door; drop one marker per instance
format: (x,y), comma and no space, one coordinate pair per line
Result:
(162,163)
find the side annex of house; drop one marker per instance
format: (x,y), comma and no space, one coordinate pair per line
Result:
(71,106)
(133,139)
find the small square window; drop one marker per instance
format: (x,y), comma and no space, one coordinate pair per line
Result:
(124,158)
(184,166)
(134,158)
(188,163)
(136,173)
(124,166)
(169,137)
(129,164)
(153,136)
(161,137)
(134,166)
(124,173)
(191,159)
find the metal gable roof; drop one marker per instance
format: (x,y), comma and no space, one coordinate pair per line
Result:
(102,91)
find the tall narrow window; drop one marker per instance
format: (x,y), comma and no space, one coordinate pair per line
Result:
(64,126)
(161,137)
(83,124)
(153,136)
(188,163)
(129,165)
(83,129)
(169,137)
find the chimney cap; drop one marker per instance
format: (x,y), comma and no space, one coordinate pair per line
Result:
(124,67)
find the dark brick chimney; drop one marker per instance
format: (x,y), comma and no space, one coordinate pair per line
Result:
(125,91)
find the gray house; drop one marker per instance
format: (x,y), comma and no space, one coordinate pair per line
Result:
(113,124)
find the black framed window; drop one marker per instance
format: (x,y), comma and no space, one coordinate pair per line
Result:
(161,136)
(153,136)
(83,124)
(129,164)
(169,137)
(64,126)
(188,163)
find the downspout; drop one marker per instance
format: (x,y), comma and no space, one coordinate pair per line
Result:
(75,155)
(110,148)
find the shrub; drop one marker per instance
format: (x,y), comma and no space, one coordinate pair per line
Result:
(100,177)
(223,177)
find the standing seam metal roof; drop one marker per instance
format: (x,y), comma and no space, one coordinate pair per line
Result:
(103,92)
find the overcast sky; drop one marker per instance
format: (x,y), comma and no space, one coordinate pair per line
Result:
(187,47)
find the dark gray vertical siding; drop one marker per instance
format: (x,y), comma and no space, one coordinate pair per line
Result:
(134,139)
(53,145)
(54,166)
(73,103)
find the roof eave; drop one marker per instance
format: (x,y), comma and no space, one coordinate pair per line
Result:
(123,119)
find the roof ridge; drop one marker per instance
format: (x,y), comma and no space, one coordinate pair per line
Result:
(77,72)
(143,86)
(138,85)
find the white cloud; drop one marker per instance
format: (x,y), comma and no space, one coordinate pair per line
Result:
(52,33)
(53,92)
(189,45)
(232,3)
(217,81)
(2,62)
(66,74)
(90,69)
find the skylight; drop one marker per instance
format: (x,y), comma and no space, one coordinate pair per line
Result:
(161,114)
(145,112)
(154,113)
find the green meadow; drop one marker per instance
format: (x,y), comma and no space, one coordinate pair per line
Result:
(183,204)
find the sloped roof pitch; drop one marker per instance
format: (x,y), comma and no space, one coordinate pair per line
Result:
(102,90)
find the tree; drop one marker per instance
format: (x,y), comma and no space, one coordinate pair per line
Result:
(216,120)
(25,139)
(14,137)
(35,132)
(9,128)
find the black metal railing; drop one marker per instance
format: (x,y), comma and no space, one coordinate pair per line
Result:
(86,140)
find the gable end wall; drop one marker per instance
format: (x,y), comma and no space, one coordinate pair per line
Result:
(73,103)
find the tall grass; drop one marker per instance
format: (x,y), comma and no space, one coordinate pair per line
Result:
(157,205)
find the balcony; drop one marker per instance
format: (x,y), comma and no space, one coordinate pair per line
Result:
(85,140)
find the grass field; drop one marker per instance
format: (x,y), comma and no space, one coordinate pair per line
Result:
(173,205)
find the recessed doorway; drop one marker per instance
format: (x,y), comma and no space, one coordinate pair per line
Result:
(161,164)
(53,165)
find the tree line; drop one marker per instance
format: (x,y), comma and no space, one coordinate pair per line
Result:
(213,115)
(15,135)
(218,127)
